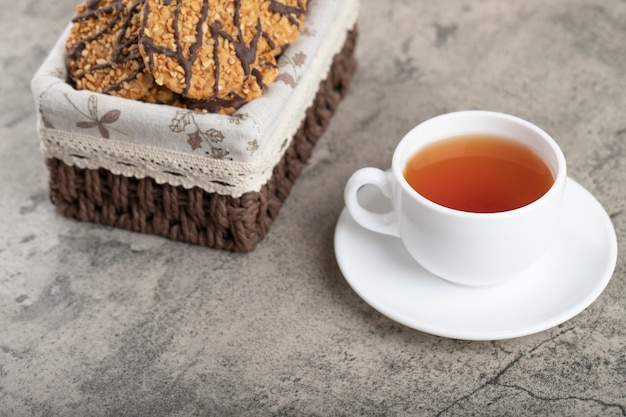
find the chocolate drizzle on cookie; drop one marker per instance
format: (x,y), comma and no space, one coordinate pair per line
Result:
(292,13)
(246,54)
(117,17)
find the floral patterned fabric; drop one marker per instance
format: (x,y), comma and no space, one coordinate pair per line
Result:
(225,154)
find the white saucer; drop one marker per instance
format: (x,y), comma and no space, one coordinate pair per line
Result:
(565,281)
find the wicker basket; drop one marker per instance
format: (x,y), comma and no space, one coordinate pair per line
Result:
(194,215)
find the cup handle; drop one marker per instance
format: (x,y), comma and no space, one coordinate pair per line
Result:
(385,223)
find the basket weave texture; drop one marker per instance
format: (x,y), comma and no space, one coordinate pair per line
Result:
(194,215)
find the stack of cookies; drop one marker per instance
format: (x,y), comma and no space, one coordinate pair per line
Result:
(211,55)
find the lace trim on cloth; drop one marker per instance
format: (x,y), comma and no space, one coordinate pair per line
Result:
(163,165)
(228,155)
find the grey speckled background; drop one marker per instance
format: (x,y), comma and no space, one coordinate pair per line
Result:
(96,321)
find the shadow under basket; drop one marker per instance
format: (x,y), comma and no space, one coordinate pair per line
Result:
(194,215)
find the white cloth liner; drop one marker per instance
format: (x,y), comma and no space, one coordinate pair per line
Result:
(228,155)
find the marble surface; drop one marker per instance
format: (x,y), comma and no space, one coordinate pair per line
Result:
(98,321)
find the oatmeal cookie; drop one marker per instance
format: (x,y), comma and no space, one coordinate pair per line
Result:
(103,52)
(222,50)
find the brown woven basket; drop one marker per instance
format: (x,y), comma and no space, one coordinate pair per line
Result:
(194,215)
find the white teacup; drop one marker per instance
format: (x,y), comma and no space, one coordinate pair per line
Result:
(464,247)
